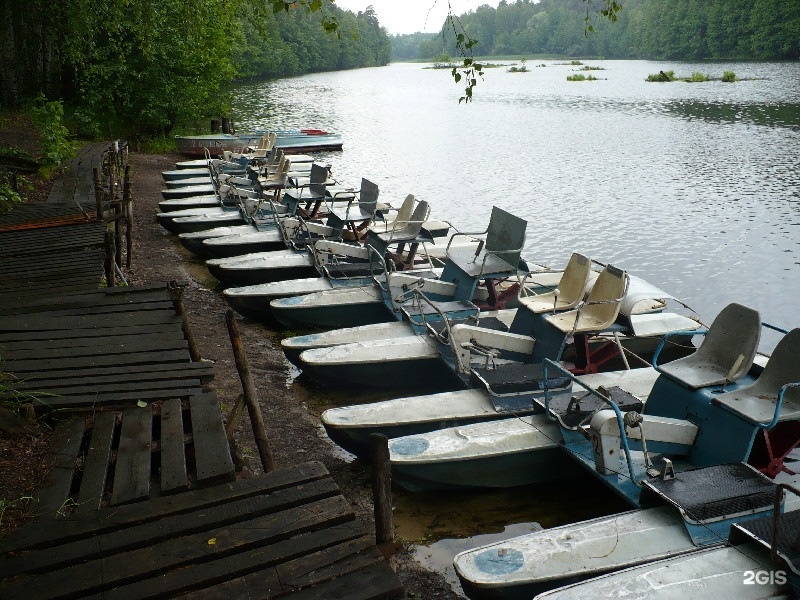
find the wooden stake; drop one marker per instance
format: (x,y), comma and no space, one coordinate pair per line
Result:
(127,204)
(98,193)
(381,488)
(176,292)
(250,396)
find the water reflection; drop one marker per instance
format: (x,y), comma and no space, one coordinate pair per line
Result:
(767,115)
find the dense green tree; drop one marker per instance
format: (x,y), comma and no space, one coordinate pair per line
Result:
(143,66)
(682,29)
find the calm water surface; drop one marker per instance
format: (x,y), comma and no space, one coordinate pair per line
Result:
(692,186)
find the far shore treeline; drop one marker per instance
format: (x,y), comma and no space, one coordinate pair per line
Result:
(147,68)
(643,29)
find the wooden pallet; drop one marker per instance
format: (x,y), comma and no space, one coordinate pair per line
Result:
(101,349)
(115,458)
(286,534)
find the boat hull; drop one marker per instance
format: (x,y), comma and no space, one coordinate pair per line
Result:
(464,457)
(193,241)
(413,363)
(262,267)
(336,308)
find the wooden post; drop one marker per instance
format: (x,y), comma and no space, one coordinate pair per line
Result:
(127,207)
(98,193)
(175,292)
(111,275)
(216,125)
(118,232)
(381,488)
(250,396)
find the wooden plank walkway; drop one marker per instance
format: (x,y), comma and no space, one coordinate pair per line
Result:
(285,534)
(143,452)
(142,501)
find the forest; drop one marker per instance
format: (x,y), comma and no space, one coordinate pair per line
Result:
(643,29)
(144,67)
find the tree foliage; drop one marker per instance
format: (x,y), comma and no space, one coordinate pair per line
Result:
(140,67)
(652,29)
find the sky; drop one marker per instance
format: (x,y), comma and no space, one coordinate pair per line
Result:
(410,16)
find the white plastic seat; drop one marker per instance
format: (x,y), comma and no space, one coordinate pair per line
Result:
(403,214)
(600,309)
(407,229)
(727,351)
(757,402)
(569,292)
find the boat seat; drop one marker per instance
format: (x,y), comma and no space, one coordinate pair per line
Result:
(600,309)
(405,231)
(569,292)
(360,208)
(726,354)
(499,253)
(757,402)
(402,214)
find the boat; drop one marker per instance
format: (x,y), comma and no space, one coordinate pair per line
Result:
(754,562)
(290,141)
(721,428)
(351,426)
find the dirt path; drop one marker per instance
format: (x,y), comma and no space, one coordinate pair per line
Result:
(294,430)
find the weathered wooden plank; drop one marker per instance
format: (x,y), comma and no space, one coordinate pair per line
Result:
(37,536)
(375,582)
(99,375)
(207,515)
(132,469)
(51,322)
(166,568)
(116,399)
(57,486)
(140,384)
(33,339)
(330,562)
(99,346)
(96,465)
(213,460)
(173,476)
(136,358)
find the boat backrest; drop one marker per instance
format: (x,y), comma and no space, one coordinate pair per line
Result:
(726,353)
(600,309)
(505,236)
(410,228)
(605,299)
(571,288)
(318,177)
(368,197)
(757,402)
(405,210)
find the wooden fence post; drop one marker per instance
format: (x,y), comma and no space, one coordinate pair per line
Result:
(127,208)
(111,274)
(250,396)
(98,193)
(381,488)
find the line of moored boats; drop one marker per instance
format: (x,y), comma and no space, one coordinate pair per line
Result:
(520,374)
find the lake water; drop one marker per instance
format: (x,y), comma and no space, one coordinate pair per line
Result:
(693,186)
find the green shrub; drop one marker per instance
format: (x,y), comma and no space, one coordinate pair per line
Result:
(697,77)
(8,198)
(729,76)
(56,147)
(661,76)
